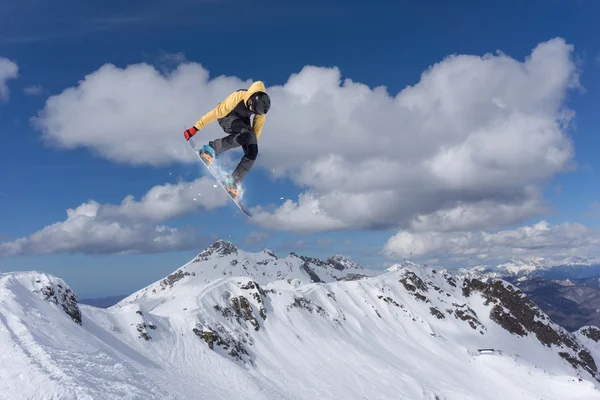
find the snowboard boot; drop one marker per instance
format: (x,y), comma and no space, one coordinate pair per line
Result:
(207,153)
(232,186)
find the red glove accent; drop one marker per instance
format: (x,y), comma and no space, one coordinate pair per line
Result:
(188,133)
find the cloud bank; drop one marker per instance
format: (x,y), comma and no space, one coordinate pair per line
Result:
(130,227)
(540,239)
(468,146)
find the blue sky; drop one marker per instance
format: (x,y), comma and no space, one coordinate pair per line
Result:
(58,46)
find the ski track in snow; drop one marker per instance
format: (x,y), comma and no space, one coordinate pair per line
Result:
(334,340)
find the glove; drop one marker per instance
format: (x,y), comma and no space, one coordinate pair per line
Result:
(188,133)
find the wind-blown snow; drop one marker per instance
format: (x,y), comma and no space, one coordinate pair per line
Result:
(218,328)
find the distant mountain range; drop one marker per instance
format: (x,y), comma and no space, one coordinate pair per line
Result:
(570,268)
(568,291)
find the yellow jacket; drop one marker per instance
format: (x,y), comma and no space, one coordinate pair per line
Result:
(227,105)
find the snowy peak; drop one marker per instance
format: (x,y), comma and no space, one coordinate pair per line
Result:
(575,267)
(524,266)
(220,249)
(517,268)
(342,263)
(401,265)
(45,286)
(223,259)
(577,261)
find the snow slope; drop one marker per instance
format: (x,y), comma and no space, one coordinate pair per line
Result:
(217,330)
(46,354)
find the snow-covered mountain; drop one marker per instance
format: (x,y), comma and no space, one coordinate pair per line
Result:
(579,261)
(519,267)
(236,325)
(530,267)
(224,259)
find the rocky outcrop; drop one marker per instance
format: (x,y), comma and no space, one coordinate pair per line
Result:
(465,313)
(239,309)
(219,339)
(436,313)
(142,328)
(61,295)
(342,263)
(307,304)
(221,248)
(591,332)
(415,286)
(310,272)
(175,277)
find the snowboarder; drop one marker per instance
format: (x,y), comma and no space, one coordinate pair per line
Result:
(233,115)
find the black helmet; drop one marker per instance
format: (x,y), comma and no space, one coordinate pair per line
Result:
(260,102)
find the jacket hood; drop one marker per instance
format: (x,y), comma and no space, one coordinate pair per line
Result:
(257,86)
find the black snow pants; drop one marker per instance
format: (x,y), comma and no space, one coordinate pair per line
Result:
(240,134)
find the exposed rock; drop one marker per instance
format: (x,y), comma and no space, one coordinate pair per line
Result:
(243,310)
(436,313)
(311,260)
(270,252)
(516,313)
(352,277)
(219,338)
(63,297)
(311,274)
(591,332)
(143,330)
(388,300)
(170,280)
(221,248)
(412,281)
(465,313)
(342,263)
(413,284)
(258,293)
(307,304)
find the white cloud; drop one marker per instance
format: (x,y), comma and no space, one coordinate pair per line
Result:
(8,70)
(541,239)
(474,135)
(132,226)
(493,212)
(164,202)
(134,115)
(304,217)
(35,90)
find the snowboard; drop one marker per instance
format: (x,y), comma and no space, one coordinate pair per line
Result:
(215,174)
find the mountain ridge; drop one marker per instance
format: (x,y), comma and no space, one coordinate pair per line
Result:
(207,332)
(223,258)
(571,267)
